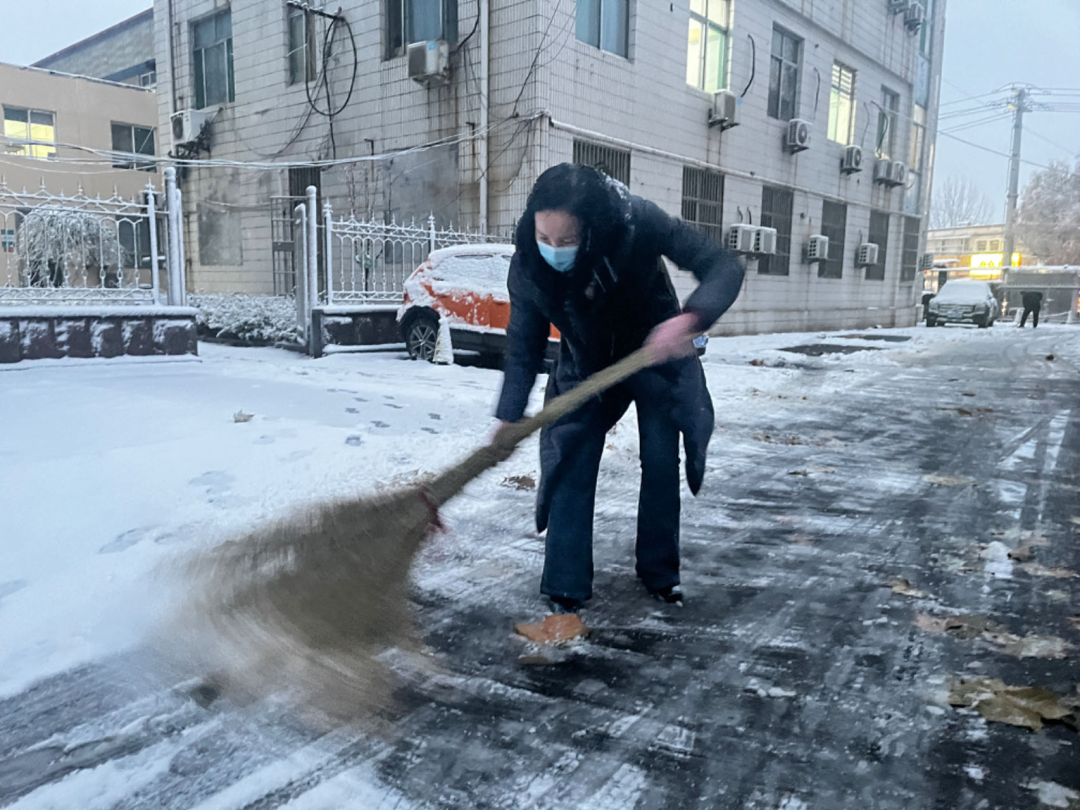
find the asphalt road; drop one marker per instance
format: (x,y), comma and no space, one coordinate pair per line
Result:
(794,678)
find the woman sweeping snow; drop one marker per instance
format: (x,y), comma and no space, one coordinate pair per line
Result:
(589,261)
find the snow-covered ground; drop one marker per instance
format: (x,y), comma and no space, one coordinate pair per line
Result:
(110,469)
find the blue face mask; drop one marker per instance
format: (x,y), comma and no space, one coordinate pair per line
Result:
(561,259)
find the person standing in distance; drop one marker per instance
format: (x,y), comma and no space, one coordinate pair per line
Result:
(589,261)
(1032,301)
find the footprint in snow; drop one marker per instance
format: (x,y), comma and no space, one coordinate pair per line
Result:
(435,416)
(296,455)
(264,440)
(124,541)
(12,586)
(215,481)
(430,430)
(360,399)
(354,441)
(352,410)
(392,405)
(379,424)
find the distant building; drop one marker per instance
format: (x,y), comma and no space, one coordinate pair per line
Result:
(123,53)
(835,105)
(974,246)
(41,111)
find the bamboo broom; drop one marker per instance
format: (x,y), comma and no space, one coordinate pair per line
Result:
(307,605)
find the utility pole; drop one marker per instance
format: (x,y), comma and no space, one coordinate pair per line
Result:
(1020,106)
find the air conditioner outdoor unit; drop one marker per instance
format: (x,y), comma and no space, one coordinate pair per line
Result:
(884,172)
(899,173)
(724,112)
(740,238)
(898,6)
(927,262)
(765,241)
(866,255)
(852,161)
(797,138)
(429,62)
(817,249)
(187,125)
(914,16)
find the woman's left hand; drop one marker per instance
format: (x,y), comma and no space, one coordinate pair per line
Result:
(674,338)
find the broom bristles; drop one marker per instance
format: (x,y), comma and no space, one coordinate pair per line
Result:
(308,604)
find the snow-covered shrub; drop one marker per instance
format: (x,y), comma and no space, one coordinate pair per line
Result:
(60,244)
(252,318)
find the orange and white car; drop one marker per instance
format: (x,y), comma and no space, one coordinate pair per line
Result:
(466,285)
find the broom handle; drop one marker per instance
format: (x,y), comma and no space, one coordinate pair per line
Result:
(454,480)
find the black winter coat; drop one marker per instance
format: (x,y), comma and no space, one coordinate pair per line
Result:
(605,307)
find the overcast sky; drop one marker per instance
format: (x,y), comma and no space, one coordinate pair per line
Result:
(988,44)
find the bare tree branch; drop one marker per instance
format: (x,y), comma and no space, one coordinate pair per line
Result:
(1049,217)
(957,203)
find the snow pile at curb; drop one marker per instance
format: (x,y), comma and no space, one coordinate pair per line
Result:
(251,318)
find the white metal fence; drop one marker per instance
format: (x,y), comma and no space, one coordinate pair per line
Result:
(368,261)
(80,250)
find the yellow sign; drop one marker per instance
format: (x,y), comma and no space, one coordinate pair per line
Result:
(993,259)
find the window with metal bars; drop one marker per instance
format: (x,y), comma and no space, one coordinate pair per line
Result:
(301,45)
(834,226)
(615,163)
(777,205)
(909,257)
(842,104)
(703,201)
(879,235)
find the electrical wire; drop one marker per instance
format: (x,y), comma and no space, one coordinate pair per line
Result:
(1029,131)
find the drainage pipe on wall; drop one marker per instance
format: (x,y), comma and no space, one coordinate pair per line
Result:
(482,152)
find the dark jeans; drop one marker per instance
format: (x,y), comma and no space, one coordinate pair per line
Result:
(1035,317)
(570,453)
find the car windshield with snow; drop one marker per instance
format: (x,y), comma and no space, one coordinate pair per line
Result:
(963,301)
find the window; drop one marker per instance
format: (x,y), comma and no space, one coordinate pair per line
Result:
(888,116)
(834,226)
(926,38)
(915,161)
(703,201)
(784,75)
(980,246)
(879,235)
(841,104)
(410,21)
(604,24)
(7,240)
(909,256)
(612,162)
(995,245)
(22,126)
(301,45)
(148,79)
(133,140)
(777,205)
(212,55)
(707,45)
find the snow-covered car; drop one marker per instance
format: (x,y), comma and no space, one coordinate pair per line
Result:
(963,301)
(466,285)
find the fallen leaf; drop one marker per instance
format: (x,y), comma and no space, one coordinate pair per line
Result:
(554,629)
(1050,357)
(1037,570)
(803,473)
(240,416)
(1030,646)
(1024,706)
(905,588)
(520,482)
(1022,553)
(758,363)
(963,411)
(801,540)
(967,394)
(930,624)
(947,480)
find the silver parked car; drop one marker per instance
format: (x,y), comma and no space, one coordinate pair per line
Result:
(963,301)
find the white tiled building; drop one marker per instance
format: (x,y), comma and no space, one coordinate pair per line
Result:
(628,83)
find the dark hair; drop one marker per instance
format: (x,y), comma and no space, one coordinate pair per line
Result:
(597,202)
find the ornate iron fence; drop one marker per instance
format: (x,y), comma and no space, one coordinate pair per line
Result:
(72,250)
